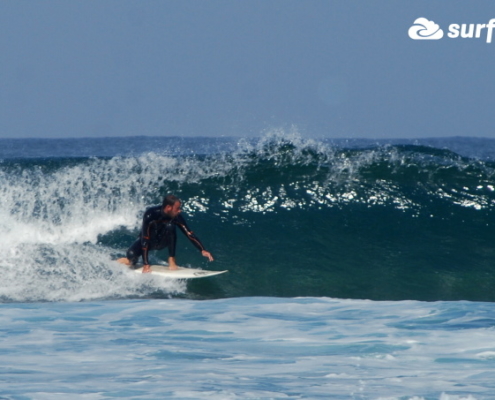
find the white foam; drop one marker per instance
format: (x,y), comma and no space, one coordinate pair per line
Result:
(50,222)
(248,348)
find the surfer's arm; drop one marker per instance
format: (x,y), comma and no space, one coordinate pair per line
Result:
(181,223)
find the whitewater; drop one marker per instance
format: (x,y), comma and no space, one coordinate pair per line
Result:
(247,348)
(357,270)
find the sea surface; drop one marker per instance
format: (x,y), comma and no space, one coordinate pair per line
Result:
(358,269)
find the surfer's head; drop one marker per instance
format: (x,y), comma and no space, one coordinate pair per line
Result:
(171,205)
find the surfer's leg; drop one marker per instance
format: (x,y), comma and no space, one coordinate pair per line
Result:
(167,240)
(171,240)
(134,252)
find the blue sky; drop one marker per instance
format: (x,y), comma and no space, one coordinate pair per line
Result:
(337,69)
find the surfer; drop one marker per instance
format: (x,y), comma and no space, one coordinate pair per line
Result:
(159,231)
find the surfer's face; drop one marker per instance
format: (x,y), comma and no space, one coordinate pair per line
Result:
(173,211)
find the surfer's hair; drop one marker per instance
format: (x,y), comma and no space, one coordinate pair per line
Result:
(170,200)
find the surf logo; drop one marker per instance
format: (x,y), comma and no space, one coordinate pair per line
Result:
(424,29)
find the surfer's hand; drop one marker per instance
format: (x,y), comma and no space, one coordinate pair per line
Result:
(207,254)
(146,269)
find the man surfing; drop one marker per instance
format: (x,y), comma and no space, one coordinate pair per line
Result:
(158,231)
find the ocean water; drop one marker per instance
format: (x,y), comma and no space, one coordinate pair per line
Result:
(357,269)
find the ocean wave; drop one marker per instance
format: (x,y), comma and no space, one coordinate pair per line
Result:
(339,221)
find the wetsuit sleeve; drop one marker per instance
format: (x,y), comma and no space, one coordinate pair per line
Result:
(181,223)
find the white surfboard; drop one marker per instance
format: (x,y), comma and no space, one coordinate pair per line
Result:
(181,273)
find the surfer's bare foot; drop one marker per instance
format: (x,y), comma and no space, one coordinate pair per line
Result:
(172,266)
(146,269)
(124,261)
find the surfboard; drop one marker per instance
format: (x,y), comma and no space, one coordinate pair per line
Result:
(181,273)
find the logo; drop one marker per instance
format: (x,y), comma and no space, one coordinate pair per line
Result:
(425,30)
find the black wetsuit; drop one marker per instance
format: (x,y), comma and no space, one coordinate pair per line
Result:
(158,232)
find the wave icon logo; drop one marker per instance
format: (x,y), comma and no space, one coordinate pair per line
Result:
(424,29)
